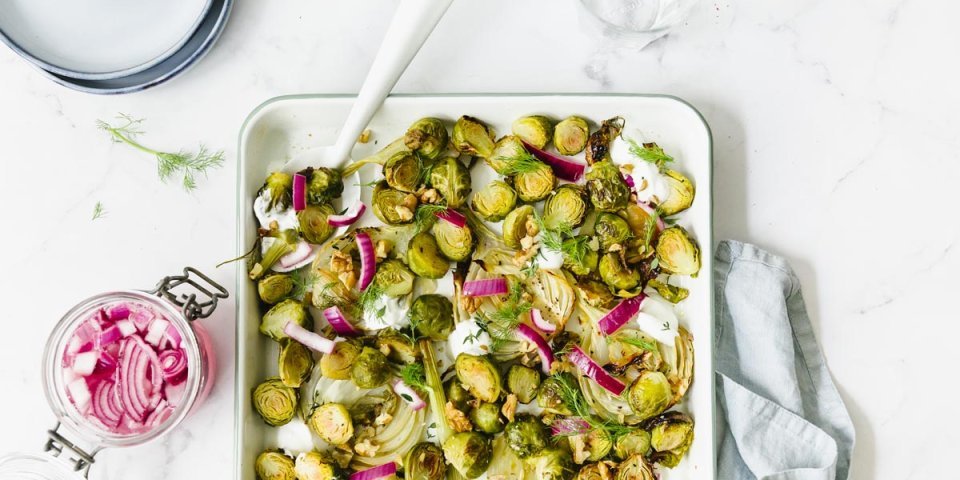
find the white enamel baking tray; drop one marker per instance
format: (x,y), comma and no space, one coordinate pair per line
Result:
(285,126)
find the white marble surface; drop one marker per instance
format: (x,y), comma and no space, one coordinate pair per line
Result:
(836,145)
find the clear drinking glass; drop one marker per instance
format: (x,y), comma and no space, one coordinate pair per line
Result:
(627,17)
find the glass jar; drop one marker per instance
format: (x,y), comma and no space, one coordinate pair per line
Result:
(73,443)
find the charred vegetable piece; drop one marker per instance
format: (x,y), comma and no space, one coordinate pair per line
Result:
(570,135)
(608,191)
(427,137)
(586,263)
(313,223)
(323,185)
(278,188)
(670,293)
(523,382)
(295,363)
(671,435)
(510,156)
(479,376)
(424,462)
(536,130)
(275,402)
(433,316)
(468,452)
(370,369)
(595,294)
(616,274)
(392,206)
(486,417)
(274,288)
(551,394)
(650,394)
(681,193)
(424,258)
(332,423)
(565,208)
(452,180)
(274,465)
(404,172)
(280,314)
(473,137)
(595,471)
(677,252)
(494,201)
(598,145)
(611,229)
(597,443)
(337,365)
(458,394)
(526,436)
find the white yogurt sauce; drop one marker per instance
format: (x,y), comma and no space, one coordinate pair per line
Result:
(295,437)
(468,337)
(645,175)
(394,314)
(286,218)
(657,319)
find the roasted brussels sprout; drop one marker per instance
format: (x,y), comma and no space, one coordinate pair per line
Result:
(486,417)
(370,369)
(526,436)
(458,394)
(424,258)
(323,184)
(394,277)
(595,471)
(608,191)
(275,402)
(566,208)
(635,442)
(468,452)
(635,468)
(274,288)
(452,180)
(424,462)
(595,294)
(596,444)
(616,274)
(584,263)
(338,363)
(295,363)
(552,464)
(677,252)
(277,317)
(455,243)
(313,223)
(427,137)
(598,145)
(650,394)
(316,466)
(671,435)
(670,293)
(277,190)
(611,229)
(391,206)
(494,201)
(681,193)
(396,346)
(550,396)
(570,135)
(535,183)
(274,465)
(479,376)
(433,316)
(515,225)
(328,290)
(523,382)
(535,130)
(332,423)
(510,156)
(404,171)
(471,136)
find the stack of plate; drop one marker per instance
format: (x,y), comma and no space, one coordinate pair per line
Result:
(112,46)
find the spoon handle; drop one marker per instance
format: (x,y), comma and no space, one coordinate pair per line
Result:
(412,23)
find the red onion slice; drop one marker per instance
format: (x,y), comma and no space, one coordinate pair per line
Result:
(308,339)
(591,369)
(119,311)
(486,287)
(409,395)
(368,261)
(569,426)
(339,322)
(299,254)
(299,192)
(540,322)
(452,217)
(620,315)
(84,363)
(377,472)
(155,331)
(174,365)
(543,348)
(126,327)
(565,168)
(80,394)
(349,217)
(110,335)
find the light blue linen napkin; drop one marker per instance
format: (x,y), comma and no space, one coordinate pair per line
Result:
(780,415)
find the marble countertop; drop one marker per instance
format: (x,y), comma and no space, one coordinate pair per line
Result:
(823,114)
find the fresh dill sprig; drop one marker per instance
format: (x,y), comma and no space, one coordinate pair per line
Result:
(523,163)
(370,301)
(371,183)
(183,164)
(573,398)
(554,238)
(650,152)
(426,215)
(98,211)
(303,281)
(651,226)
(414,375)
(501,323)
(636,342)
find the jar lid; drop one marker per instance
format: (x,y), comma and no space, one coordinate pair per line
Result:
(27,466)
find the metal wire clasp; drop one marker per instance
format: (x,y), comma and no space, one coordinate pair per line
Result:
(193,307)
(58,446)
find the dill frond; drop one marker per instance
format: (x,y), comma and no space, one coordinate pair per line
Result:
(98,211)
(649,152)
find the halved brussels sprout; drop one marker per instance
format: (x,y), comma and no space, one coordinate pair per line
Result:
(635,468)
(455,243)
(552,464)
(370,369)
(611,229)
(597,444)
(316,466)
(494,201)
(587,262)
(275,402)
(274,465)
(332,423)
(681,375)
(677,252)
(595,294)
(616,274)
(432,315)
(394,277)
(277,317)
(598,145)
(328,290)
(424,258)
(338,363)
(526,436)
(452,180)
(274,288)
(671,435)
(424,462)
(479,376)
(536,183)
(550,396)
(635,442)
(535,130)
(458,394)
(608,191)
(566,208)
(681,193)
(323,184)
(570,135)
(472,136)
(670,293)
(398,347)
(650,394)
(523,382)
(632,347)
(278,188)
(313,223)
(295,363)
(391,206)
(515,225)
(595,471)
(509,156)
(468,452)
(486,417)
(427,137)
(404,172)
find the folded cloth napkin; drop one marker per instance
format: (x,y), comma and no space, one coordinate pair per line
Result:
(782,417)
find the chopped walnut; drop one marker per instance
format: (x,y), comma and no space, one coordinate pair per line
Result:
(340,262)
(348,278)
(404,213)
(470,304)
(365,136)
(366,448)
(643,185)
(410,201)
(579,448)
(383,419)
(627,168)
(385,349)
(382,249)
(509,407)
(527,242)
(616,247)
(458,420)
(430,195)
(531,226)
(525,255)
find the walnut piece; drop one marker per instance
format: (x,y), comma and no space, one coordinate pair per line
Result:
(340,262)
(509,407)
(430,195)
(458,420)
(404,213)
(366,448)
